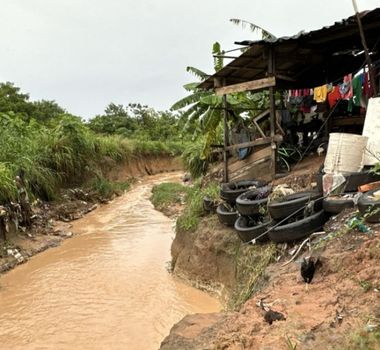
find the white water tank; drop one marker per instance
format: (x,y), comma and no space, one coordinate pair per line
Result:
(371,129)
(345,153)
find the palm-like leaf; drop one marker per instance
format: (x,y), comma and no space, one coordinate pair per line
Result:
(191,86)
(254,28)
(188,100)
(218,59)
(197,72)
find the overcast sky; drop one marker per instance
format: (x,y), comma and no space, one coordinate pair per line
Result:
(85,54)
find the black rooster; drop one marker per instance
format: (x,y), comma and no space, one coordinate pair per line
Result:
(308,269)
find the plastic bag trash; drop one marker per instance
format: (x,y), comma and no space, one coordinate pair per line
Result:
(332,183)
(358,223)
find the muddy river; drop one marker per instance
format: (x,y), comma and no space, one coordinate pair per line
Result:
(106,288)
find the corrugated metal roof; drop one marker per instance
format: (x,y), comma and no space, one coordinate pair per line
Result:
(305,59)
(346,21)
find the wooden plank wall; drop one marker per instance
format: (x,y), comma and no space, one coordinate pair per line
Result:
(257,165)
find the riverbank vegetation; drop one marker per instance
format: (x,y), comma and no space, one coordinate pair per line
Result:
(189,196)
(50,148)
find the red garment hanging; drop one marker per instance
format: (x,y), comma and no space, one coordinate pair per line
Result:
(334,96)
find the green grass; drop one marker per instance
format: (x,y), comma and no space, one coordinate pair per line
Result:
(362,340)
(106,188)
(251,262)
(193,210)
(168,193)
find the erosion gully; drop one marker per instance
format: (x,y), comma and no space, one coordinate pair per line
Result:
(106,288)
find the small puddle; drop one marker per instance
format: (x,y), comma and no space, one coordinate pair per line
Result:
(107,288)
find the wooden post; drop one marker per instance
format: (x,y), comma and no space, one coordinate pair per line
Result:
(218,83)
(272,106)
(225,151)
(366,51)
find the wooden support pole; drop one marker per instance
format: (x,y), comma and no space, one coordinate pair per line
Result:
(272,106)
(225,150)
(366,51)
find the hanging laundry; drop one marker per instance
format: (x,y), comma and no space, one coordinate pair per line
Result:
(346,87)
(320,93)
(357,84)
(334,96)
(367,89)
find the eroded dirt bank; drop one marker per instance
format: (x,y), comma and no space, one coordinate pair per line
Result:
(341,305)
(149,165)
(340,310)
(106,288)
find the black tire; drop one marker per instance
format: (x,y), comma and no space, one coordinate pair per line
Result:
(230,191)
(354,180)
(335,206)
(299,229)
(225,216)
(285,206)
(247,233)
(248,205)
(367,205)
(209,206)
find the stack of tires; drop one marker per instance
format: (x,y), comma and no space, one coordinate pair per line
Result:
(300,215)
(253,219)
(228,210)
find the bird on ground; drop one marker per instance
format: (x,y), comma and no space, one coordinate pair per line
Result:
(271,316)
(308,269)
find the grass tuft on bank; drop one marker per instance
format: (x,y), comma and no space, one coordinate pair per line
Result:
(251,262)
(168,194)
(193,211)
(106,188)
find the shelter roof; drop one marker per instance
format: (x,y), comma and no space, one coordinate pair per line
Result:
(306,59)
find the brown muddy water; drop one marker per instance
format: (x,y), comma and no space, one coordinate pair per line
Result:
(106,288)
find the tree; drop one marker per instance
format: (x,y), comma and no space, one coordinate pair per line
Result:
(12,100)
(45,110)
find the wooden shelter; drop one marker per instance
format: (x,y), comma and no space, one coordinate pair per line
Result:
(304,60)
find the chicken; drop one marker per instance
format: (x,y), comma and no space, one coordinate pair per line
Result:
(308,269)
(271,316)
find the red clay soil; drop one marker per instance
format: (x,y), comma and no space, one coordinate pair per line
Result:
(343,298)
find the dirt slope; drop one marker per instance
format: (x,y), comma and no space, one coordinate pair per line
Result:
(343,298)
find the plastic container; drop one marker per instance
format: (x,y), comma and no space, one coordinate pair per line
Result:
(345,153)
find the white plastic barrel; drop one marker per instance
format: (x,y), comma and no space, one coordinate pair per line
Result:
(345,153)
(372,131)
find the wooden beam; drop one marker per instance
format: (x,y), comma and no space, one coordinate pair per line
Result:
(244,67)
(285,77)
(259,142)
(366,51)
(256,119)
(247,86)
